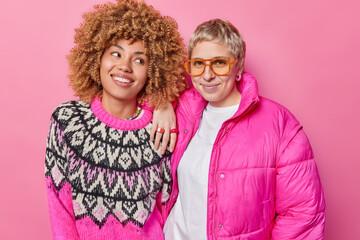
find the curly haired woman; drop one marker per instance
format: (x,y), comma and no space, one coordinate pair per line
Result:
(105,178)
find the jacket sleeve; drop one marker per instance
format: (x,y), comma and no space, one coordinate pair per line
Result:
(58,188)
(299,198)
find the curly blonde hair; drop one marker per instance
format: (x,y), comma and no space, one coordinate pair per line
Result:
(131,20)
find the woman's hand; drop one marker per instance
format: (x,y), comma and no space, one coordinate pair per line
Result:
(164,118)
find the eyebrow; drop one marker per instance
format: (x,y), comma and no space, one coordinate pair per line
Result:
(212,58)
(137,53)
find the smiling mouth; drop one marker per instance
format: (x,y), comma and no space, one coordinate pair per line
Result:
(122,80)
(210,86)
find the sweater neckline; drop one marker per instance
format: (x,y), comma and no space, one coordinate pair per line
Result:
(116,123)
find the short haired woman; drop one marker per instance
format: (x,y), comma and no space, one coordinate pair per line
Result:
(244,166)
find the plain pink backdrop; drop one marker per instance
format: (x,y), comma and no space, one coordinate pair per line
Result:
(305,55)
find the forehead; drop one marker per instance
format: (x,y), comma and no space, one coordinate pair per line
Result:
(137,46)
(211,49)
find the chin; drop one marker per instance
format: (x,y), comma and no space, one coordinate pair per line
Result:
(209,99)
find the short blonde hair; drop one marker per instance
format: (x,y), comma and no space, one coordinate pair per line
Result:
(131,20)
(222,31)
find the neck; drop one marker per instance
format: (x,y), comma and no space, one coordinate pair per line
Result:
(121,109)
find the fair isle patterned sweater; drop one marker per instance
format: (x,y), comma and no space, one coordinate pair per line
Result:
(104,178)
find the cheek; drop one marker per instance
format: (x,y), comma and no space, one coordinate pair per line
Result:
(195,80)
(233,73)
(102,73)
(107,63)
(105,68)
(104,65)
(143,74)
(228,80)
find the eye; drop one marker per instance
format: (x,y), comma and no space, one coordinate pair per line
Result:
(197,63)
(140,61)
(115,54)
(219,62)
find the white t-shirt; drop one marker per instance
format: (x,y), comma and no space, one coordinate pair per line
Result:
(188,217)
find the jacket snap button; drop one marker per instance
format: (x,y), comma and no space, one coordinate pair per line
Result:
(174,196)
(222,175)
(185,131)
(227,131)
(220,226)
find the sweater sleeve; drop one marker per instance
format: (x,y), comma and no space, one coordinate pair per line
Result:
(167,178)
(58,188)
(299,199)
(166,183)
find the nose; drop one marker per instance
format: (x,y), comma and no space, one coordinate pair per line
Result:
(124,65)
(208,73)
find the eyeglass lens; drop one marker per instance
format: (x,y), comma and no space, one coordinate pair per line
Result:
(218,66)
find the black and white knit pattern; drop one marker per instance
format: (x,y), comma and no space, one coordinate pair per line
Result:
(111,172)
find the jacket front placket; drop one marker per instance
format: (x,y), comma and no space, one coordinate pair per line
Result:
(248,103)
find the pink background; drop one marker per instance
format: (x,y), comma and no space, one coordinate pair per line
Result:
(305,55)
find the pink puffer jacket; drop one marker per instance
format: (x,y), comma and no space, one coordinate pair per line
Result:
(263,180)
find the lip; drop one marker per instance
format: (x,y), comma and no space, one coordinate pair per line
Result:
(122,80)
(210,87)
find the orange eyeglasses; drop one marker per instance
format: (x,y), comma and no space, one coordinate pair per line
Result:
(219,66)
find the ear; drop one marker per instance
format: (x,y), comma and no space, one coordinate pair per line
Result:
(238,75)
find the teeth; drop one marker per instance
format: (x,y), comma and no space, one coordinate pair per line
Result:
(119,79)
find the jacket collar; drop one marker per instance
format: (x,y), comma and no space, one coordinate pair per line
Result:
(248,88)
